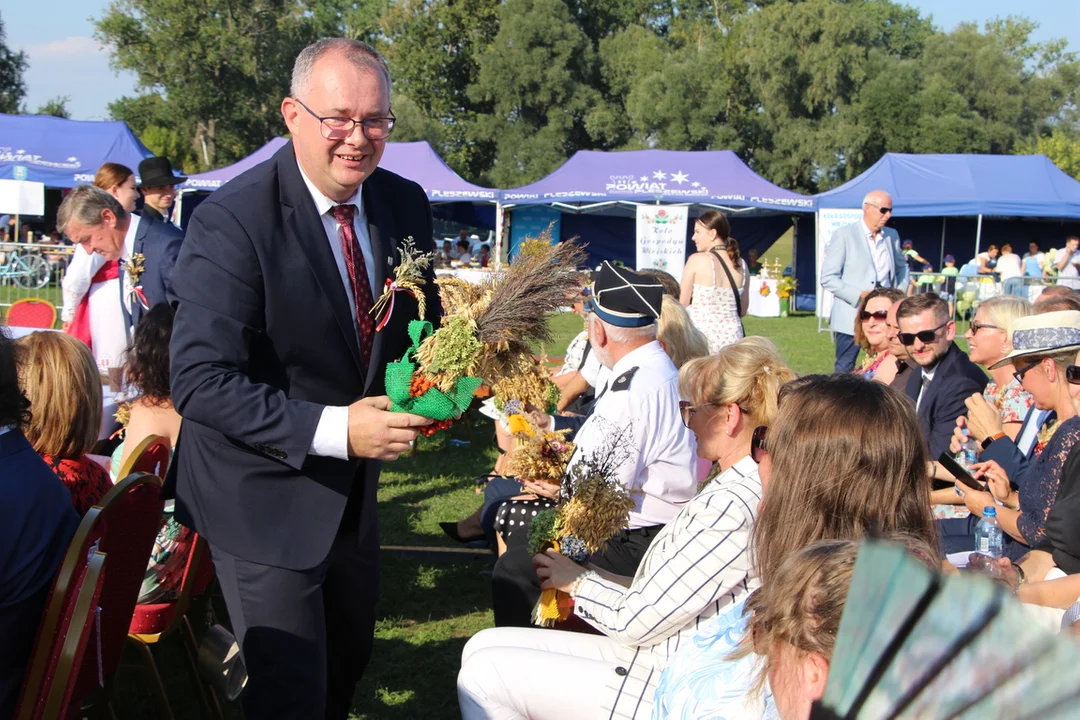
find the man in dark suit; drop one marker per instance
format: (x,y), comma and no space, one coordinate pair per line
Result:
(146,249)
(278,373)
(37,522)
(946,376)
(157,183)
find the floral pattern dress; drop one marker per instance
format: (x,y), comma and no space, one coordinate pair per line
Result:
(87,481)
(715,312)
(701,682)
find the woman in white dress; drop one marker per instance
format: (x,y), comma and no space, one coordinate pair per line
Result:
(715,283)
(91,288)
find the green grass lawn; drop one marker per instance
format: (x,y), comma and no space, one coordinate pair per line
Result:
(431,607)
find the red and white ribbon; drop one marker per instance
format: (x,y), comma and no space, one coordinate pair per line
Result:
(387,299)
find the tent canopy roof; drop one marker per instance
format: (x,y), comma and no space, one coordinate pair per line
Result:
(966,185)
(416,161)
(63,153)
(715,177)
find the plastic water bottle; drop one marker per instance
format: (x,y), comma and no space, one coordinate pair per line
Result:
(968,455)
(988,539)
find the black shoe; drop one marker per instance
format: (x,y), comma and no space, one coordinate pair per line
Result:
(450,528)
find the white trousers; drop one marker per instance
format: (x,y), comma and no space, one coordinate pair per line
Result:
(511,673)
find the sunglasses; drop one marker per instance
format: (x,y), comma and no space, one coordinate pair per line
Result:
(758,448)
(880,209)
(976,327)
(925,337)
(880,315)
(1072,374)
(1019,374)
(688,411)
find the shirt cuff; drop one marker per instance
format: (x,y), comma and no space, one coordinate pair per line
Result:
(332,434)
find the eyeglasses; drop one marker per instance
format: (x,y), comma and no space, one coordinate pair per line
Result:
(758,448)
(879,315)
(925,337)
(976,327)
(1072,374)
(880,209)
(339,128)
(1019,374)
(688,411)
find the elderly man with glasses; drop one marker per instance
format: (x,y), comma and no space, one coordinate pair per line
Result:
(860,257)
(946,376)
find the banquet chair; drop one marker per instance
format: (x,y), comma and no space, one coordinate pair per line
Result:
(123,527)
(32,313)
(154,622)
(150,456)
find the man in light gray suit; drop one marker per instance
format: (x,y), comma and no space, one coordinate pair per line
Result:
(859,258)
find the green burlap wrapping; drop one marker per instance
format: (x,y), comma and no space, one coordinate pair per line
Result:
(434,403)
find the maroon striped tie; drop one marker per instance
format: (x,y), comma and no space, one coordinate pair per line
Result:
(358,277)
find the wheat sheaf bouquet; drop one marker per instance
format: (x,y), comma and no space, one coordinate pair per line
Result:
(485,336)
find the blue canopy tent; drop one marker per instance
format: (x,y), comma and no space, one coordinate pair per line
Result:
(63,153)
(611,184)
(955,203)
(446,190)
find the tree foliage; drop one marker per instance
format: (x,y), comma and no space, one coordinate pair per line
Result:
(808,92)
(12,66)
(56,107)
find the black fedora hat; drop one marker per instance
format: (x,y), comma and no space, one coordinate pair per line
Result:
(156,172)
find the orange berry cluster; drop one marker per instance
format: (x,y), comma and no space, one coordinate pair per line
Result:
(435,426)
(419,385)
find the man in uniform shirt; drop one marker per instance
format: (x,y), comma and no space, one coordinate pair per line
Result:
(640,404)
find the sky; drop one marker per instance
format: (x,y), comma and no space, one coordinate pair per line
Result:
(57,36)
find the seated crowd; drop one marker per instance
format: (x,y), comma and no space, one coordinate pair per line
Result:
(752,488)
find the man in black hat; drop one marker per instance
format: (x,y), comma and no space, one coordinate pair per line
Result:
(158,185)
(640,404)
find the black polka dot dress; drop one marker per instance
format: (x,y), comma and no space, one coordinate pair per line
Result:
(512,520)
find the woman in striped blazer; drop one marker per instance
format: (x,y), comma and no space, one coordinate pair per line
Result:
(697,567)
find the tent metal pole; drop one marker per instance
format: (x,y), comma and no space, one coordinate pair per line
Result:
(941,260)
(978,235)
(499,221)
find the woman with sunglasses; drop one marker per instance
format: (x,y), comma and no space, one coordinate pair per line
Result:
(872,335)
(1044,346)
(696,567)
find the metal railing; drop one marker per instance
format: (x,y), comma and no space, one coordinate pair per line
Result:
(966,292)
(33,270)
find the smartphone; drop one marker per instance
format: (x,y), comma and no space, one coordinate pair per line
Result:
(959,472)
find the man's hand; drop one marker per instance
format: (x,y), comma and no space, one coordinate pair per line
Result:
(377,433)
(983,419)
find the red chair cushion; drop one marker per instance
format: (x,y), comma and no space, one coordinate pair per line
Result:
(33,314)
(153,618)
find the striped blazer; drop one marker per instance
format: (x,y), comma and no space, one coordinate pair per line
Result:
(697,566)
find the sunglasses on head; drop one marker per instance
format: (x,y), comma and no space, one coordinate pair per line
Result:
(925,337)
(758,448)
(879,315)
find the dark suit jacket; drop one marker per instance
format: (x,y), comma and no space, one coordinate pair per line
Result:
(159,243)
(37,521)
(263,341)
(1013,459)
(955,380)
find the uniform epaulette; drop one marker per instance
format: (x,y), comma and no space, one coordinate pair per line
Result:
(623,381)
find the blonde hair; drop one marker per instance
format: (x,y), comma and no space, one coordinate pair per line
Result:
(60,378)
(848,459)
(681,338)
(1003,311)
(802,608)
(748,373)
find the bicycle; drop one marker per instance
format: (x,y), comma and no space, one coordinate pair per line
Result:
(29,270)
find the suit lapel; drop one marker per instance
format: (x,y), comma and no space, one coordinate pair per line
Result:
(139,247)
(382,232)
(303,227)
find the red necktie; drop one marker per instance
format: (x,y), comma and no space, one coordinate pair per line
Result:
(358,277)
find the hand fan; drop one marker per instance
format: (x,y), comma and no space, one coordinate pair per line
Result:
(913,644)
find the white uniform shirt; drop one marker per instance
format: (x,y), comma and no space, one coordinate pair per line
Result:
(659,472)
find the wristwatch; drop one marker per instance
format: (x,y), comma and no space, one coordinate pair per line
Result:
(990,439)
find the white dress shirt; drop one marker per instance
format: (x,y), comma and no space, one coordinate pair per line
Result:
(125,257)
(332,433)
(659,470)
(881,254)
(927,378)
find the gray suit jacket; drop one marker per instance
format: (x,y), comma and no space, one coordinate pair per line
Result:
(848,269)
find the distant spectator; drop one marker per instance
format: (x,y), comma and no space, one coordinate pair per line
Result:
(1033,259)
(61,380)
(464,254)
(916,264)
(485,256)
(988,260)
(752,263)
(158,186)
(1010,270)
(37,522)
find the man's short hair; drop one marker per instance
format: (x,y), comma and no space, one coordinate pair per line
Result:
(918,304)
(359,53)
(1056,302)
(84,205)
(627,334)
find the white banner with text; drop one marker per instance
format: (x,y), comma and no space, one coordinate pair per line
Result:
(661,238)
